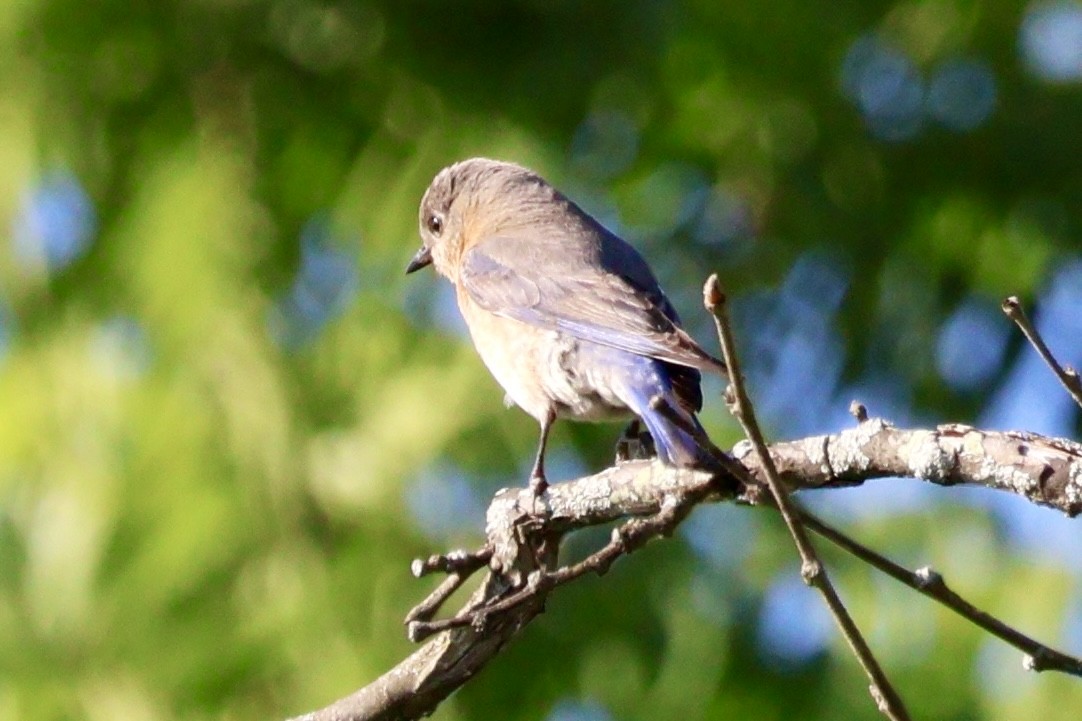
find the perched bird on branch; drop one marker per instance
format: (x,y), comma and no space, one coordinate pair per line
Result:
(567,316)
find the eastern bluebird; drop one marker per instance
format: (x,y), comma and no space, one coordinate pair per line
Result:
(567,316)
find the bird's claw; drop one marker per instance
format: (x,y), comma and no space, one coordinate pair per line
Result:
(634,444)
(538,486)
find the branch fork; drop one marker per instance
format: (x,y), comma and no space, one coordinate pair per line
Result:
(649,499)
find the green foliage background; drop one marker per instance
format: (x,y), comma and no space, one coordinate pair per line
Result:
(198,521)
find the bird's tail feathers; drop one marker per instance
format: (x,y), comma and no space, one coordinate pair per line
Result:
(675,445)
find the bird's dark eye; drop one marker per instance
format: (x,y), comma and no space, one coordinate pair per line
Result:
(435,224)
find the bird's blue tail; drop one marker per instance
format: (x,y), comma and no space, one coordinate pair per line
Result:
(675,445)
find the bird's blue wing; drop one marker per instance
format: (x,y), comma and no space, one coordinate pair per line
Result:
(601,291)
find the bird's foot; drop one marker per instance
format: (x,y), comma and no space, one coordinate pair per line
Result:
(538,486)
(634,444)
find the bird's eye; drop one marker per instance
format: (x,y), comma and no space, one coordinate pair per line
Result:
(435,224)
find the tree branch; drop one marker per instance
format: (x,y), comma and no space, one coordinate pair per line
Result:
(812,570)
(1068,377)
(927,581)
(521,548)
(1043,470)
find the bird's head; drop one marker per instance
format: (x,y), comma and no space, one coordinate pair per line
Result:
(468,202)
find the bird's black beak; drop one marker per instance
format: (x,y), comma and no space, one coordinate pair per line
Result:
(423,258)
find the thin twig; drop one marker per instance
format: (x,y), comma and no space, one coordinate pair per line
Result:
(930,583)
(812,570)
(427,608)
(627,538)
(458,565)
(1068,376)
(451,562)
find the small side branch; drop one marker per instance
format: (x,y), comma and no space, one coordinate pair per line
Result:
(459,566)
(1068,376)
(1039,657)
(812,569)
(627,538)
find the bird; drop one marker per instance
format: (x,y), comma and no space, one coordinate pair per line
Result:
(566,315)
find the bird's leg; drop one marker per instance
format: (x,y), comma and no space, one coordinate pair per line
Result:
(625,444)
(538,483)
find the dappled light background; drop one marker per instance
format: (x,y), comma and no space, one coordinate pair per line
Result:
(228,421)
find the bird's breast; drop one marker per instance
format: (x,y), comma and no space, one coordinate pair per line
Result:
(541,369)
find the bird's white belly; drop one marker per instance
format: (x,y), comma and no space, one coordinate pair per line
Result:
(537,369)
